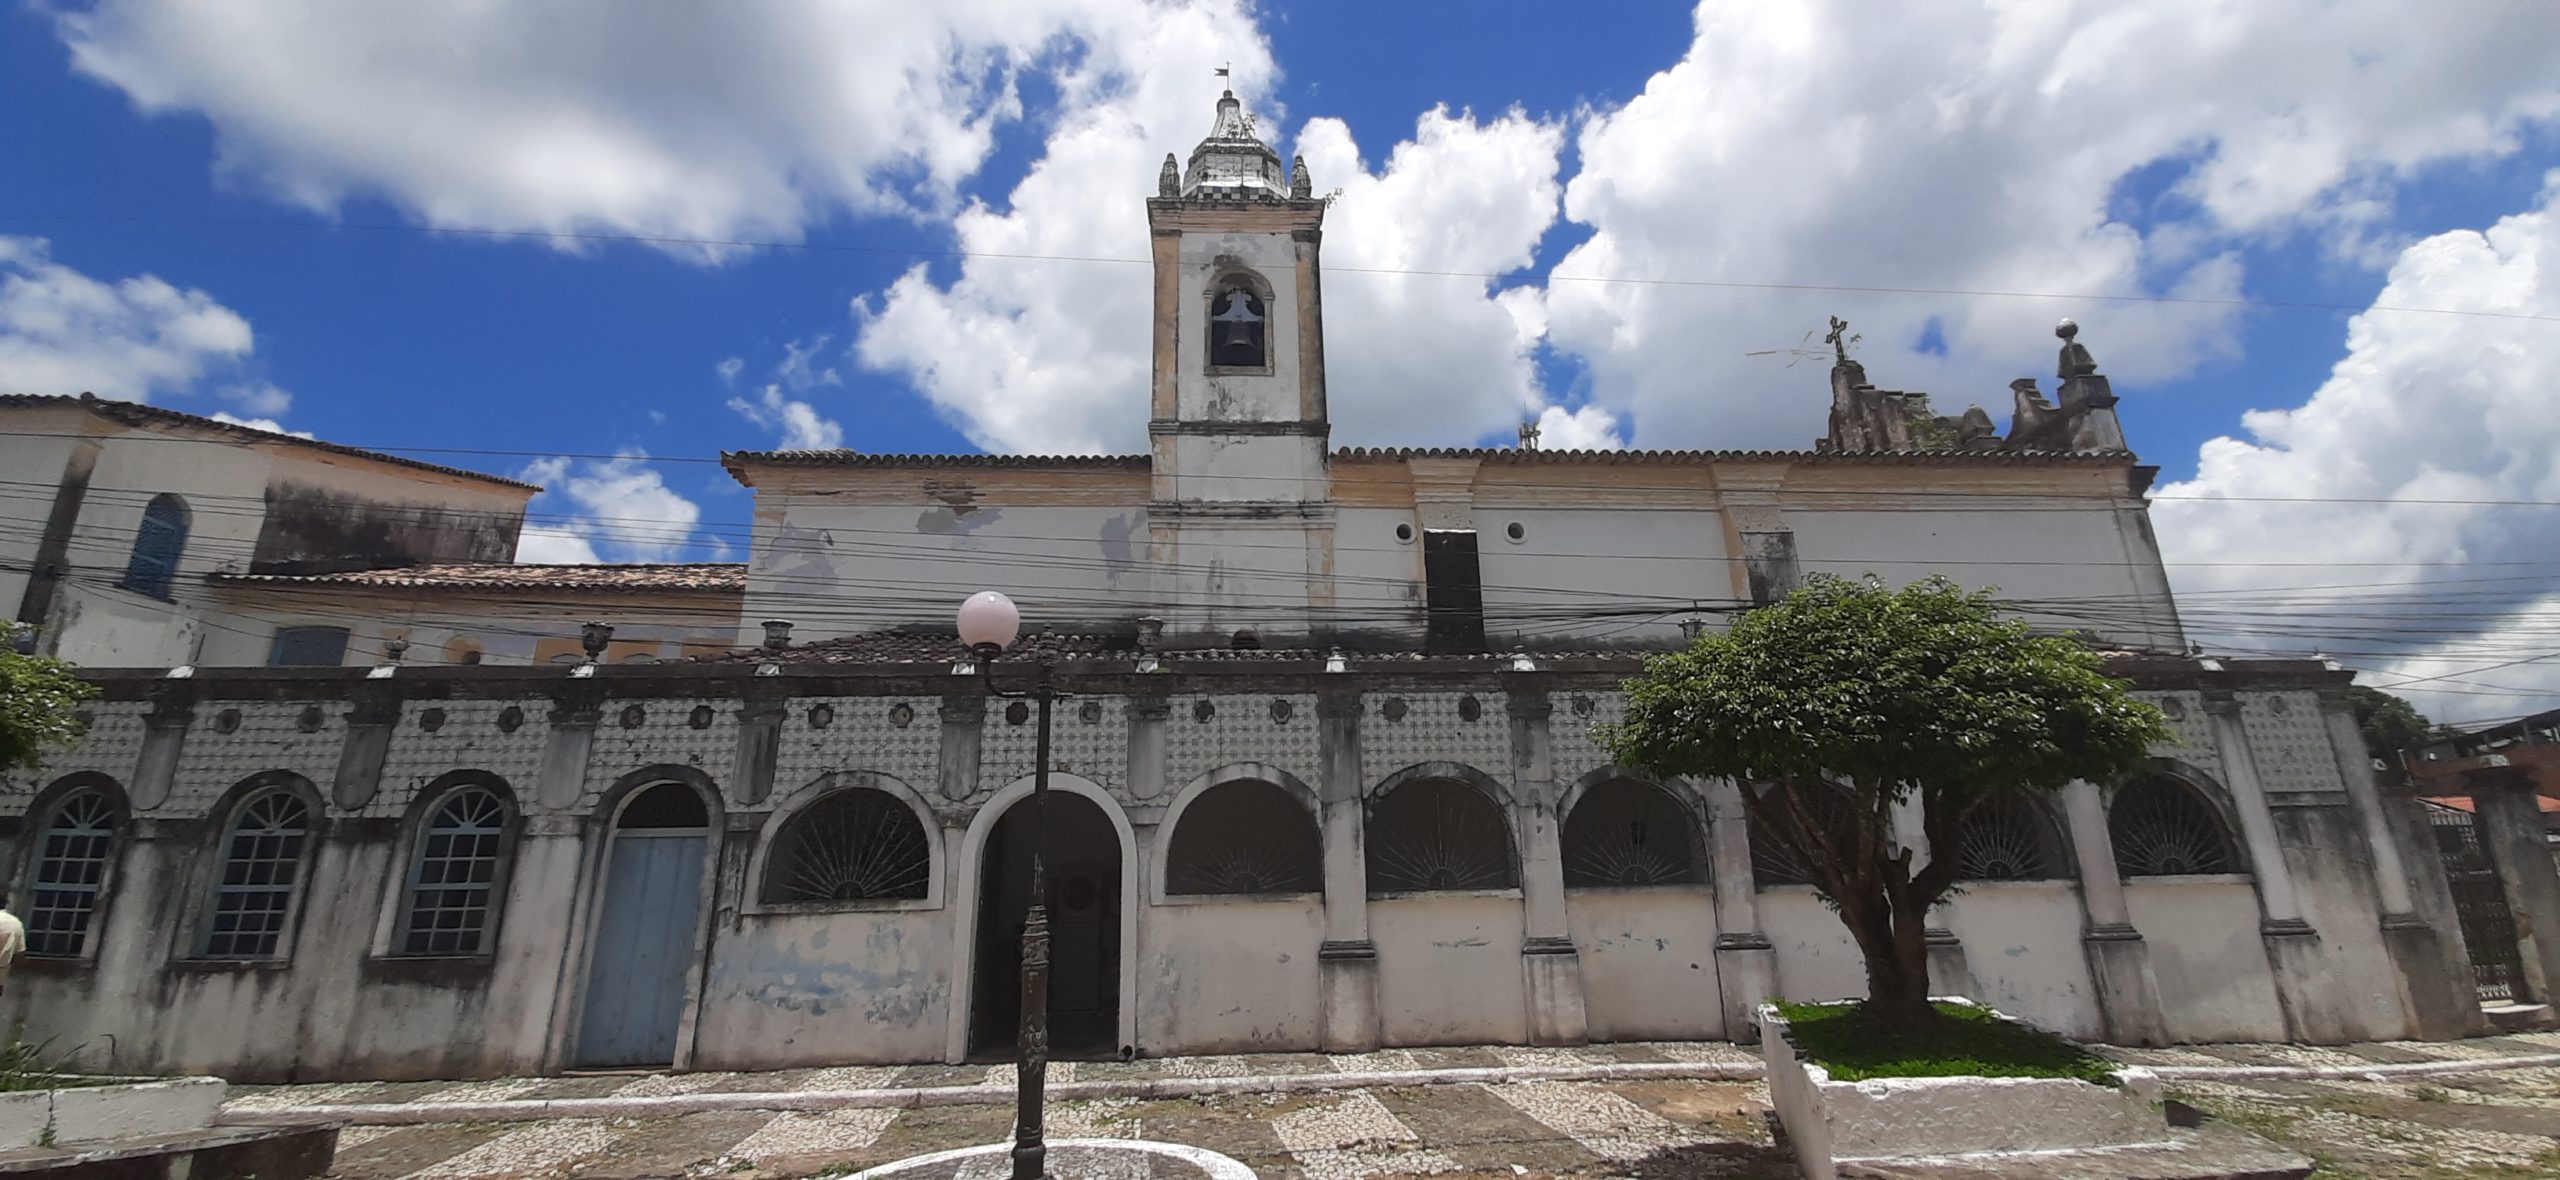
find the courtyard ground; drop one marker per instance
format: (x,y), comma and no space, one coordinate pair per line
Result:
(2499,1118)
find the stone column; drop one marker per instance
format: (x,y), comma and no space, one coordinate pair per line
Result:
(2439,1004)
(164,737)
(964,720)
(1347,962)
(563,776)
(1746,965)
(1146,745)
(1552,966)
(2293,947)
(2119,960)
(759,747)
(1949,973)
(370,718)
(2511,830)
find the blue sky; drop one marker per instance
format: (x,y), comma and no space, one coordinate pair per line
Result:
(252,209)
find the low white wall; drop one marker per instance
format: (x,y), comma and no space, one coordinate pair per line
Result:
(2022,943)
(788,989)
(2203,933)
(1231,976)
(1449,969)
(1648,962)
(1816,959)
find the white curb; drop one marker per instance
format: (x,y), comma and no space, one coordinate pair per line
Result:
(1216,1166)
(668,1105)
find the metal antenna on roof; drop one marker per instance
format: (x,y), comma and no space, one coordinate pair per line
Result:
(1803,350)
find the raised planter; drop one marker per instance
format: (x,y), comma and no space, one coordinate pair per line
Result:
(1904,1118)
(124,1109)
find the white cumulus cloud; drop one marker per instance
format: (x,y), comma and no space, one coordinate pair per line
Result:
(1987,147)
(2391,518)
(135,339)
(617,509)
(798,423)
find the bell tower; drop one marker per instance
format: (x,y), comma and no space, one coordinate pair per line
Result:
(1241,518)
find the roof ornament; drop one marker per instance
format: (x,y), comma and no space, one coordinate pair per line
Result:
(2076,361)
(1301,187)
(1840,339)
(1169,181)
(1528,434)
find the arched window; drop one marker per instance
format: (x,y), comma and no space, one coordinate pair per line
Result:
(1246,836)
(157,545)
(1239,328)
(2009,837)
(1831,808)
(71,863)
(852,845)
(1438,834)
(453,878)
(2162,828)
(1625,832)
(261,866)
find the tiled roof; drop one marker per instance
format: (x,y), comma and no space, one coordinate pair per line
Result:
(736,461)
(502,575)
(912,647)
(136,414)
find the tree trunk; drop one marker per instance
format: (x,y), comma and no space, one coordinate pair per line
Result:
(1897,955)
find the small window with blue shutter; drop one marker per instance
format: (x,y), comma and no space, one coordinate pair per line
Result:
(308,647)
(157,547)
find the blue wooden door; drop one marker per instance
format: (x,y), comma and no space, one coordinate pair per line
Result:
(643,948)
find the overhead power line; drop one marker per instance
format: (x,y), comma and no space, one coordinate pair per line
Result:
(925,251)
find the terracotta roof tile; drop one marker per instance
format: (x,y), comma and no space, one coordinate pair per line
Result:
(135,414)
(504,575)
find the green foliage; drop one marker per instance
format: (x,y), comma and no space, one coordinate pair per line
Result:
(1882,695)
(39,704)
(1923,687)
(36,1067)
(1966,1041)
(2390,724)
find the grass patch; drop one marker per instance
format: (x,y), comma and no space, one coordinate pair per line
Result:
(36,1067)
(1963,1042)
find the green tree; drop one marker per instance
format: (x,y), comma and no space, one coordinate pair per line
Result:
(1882,695)
(39,703)
(2390,724)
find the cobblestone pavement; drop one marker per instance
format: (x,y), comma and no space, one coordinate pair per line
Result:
(2499,1123)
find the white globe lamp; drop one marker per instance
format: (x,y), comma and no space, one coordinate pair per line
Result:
(989,623)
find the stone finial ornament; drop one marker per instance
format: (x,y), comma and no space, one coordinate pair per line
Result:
(777,634)
(2076,361)
(1301,187)
(1169,180)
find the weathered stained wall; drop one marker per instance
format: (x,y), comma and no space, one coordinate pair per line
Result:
(832,983)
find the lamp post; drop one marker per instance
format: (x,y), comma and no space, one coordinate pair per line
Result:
(989,623)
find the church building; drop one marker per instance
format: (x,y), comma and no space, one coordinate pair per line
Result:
(1324,771)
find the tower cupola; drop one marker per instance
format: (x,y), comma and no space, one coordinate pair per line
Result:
(1233,164)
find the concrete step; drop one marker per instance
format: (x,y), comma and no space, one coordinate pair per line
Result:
(2214,1151)
(217,1153)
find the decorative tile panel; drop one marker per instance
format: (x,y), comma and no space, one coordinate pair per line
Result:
(861,733)
(111,746)
(2289,742)
(467,736)
(1432,728)
(1576,748)
(269,737)
(1097,749)
(1277,729)
(665,735)
(2194,742)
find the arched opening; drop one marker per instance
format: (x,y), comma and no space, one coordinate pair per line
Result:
(157,546)
(650,914)
(851,845)
(1833,812)
(2011,837)
(450,903)
(1438,835)
(1629,833)
(1083,862)
(259,877)
(2161,827)
(1239,327)
(73,850)
(1244,837)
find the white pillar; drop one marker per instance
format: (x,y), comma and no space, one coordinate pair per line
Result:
(1746,965)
